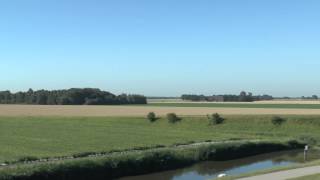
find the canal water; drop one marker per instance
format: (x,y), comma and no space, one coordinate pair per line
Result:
(211,169)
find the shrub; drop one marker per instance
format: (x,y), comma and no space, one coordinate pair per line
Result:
(215,119)
(27,158)
(173,118)
(307,140)
(151,117)
(276,120)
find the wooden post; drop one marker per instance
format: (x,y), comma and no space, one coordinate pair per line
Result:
(306,149)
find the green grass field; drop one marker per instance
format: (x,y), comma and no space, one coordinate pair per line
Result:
(61,136)
(238,105)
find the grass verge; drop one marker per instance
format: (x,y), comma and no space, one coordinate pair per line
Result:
(312,177)
(314,163)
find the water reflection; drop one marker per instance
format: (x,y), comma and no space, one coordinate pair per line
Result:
(210,170)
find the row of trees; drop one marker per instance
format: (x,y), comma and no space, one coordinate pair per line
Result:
(313,97)
(242,97)
(74,96)
(214,119)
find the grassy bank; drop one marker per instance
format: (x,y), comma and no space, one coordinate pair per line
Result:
(274,170)
(41,137)
(135,163)
(238,105)
(313,177)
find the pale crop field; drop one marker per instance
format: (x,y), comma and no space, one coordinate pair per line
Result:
(275,101)
(159,109)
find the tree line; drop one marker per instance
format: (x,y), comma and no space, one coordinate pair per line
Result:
(74,96)
(313,97)
(242,97)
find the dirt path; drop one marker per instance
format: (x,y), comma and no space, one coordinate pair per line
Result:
(39,110)
(284,175)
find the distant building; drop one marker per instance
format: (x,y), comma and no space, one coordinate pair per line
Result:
(215,98)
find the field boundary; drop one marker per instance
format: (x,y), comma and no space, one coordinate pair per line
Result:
(141,162)
(118,152)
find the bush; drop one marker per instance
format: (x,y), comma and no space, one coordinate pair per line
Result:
(151,117)
(276,120)
(27,158)
(215,119)
(307,140)
(173,118)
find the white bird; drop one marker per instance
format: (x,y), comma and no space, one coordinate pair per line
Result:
(222,175)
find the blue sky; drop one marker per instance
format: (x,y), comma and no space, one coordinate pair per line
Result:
(162,48)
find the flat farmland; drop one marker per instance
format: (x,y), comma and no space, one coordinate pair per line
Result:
(161,109)
(50,131)
(263,105)
(39,137)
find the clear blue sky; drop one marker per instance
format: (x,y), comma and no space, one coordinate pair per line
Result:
(162,48)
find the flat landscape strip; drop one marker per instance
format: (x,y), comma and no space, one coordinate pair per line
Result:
(45,137)
(284,175)
(240,105)
(276,101)
(139,111)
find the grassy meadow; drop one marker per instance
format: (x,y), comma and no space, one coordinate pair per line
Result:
(40,137)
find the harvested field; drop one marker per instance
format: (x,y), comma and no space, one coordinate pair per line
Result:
(291,101)
(127,111)
(240,105)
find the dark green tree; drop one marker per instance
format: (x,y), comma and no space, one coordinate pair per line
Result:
(215,119)
(151,117)
(173,118)
(276,120)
